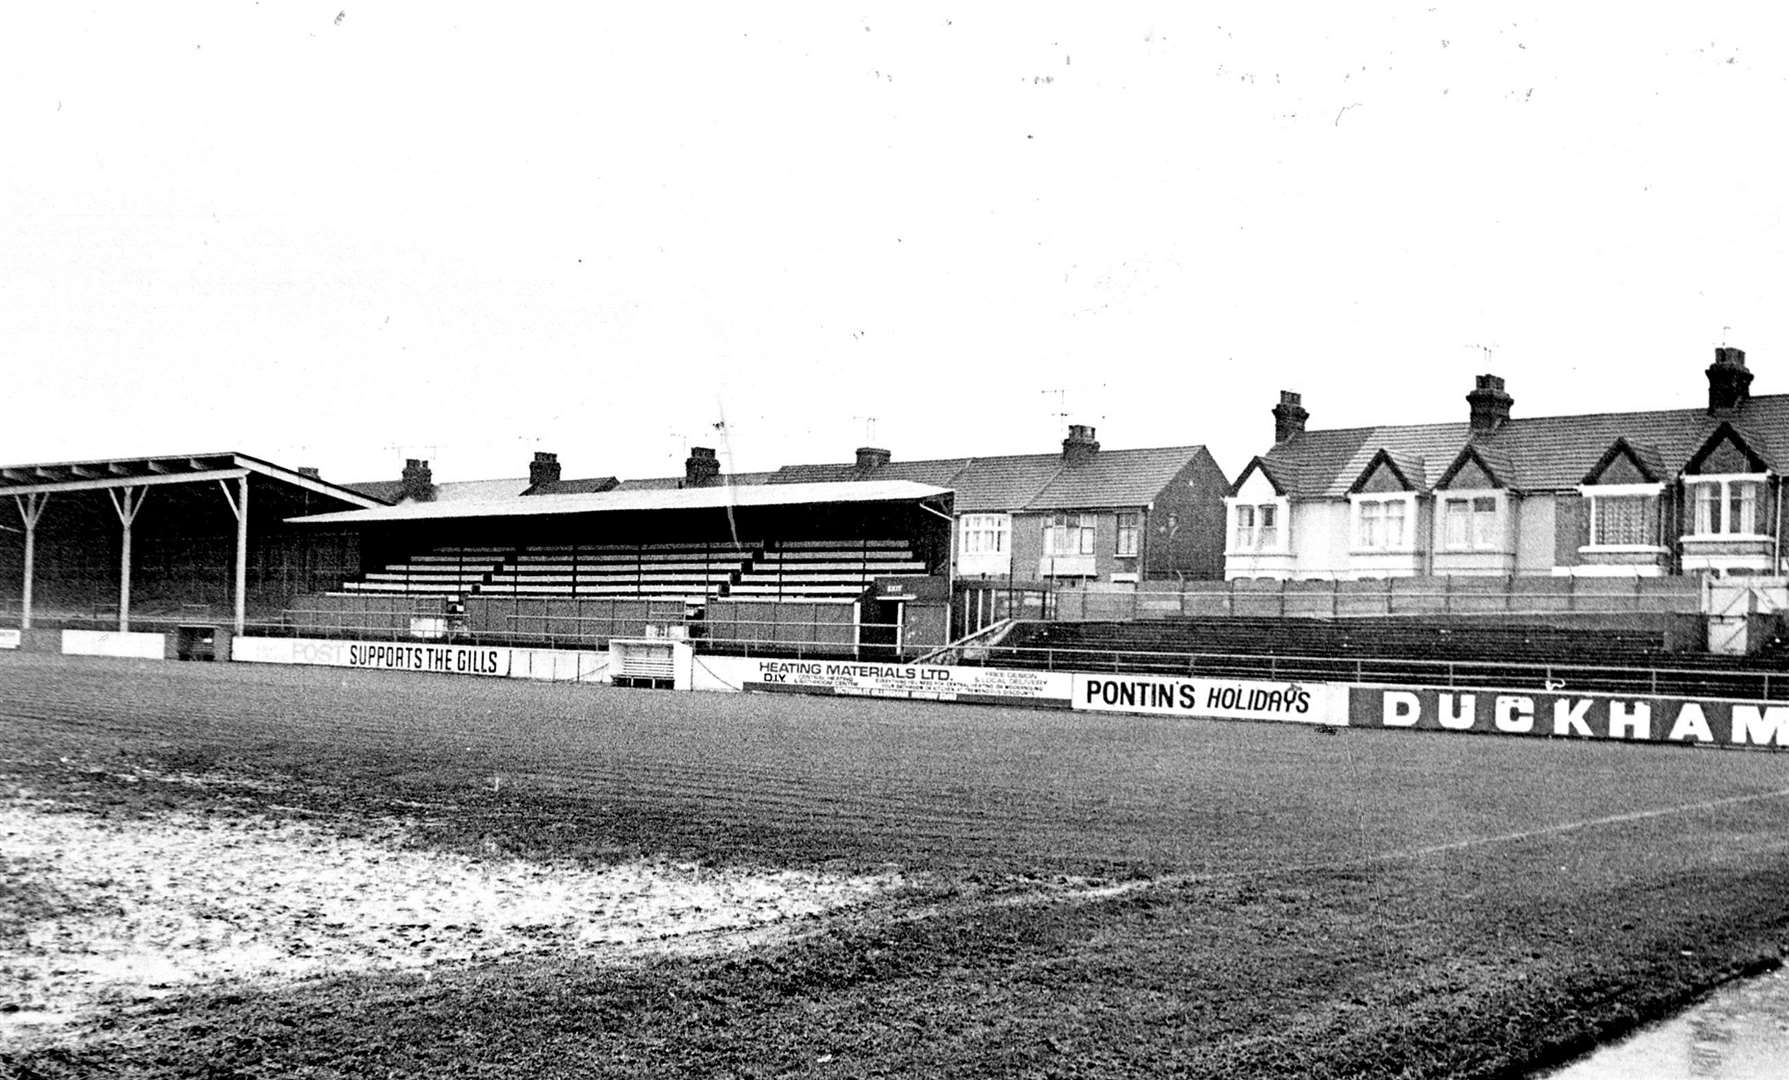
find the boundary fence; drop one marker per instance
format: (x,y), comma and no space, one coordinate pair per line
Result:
(1720,679)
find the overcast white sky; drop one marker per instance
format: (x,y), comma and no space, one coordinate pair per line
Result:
(343,236)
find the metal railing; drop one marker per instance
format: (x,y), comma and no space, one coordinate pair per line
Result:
(1534,597)
(1752,679)
(1717,680)
(835,639)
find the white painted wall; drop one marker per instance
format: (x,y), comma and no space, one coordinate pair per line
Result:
(114,643)
(1320,539)
(1536,516)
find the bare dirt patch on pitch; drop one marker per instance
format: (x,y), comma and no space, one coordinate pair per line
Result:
(99,914)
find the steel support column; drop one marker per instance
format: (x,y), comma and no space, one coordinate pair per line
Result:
(30,509)
(239,506)
(127,501)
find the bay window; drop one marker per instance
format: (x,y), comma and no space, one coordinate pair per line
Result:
(1382,524)
(1726,505)
(985,534)
(1257,527)
(1470,523)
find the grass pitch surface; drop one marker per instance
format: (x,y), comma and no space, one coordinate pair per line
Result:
(1086,896)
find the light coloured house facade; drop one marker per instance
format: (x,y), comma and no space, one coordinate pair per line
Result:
(1653,493)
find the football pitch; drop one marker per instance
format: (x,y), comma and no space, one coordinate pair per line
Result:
(838,887)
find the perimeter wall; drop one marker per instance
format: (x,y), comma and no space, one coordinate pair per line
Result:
(1328,707)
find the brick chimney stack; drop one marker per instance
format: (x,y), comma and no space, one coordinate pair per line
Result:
(544,469)
(1080,446)
(418,482)
(1490,405)
(872,457)
(1288,417)
(311,471)
(701,468)
(1729,382)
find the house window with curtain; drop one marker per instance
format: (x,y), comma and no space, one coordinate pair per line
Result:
(1382,524)
(1245,528)
(1726,505)
(1470,524)
(1257,527)
(1130,528)
(1623,520)
(1070,534)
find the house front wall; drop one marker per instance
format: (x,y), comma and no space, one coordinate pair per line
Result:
(1472,553)
(1027,544)
(1542,534)
(1535,524)
(1575,552)
(1408,561)
(1031,561)
(1320,538)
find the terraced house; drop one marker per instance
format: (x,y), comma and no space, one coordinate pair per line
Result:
(1676,491)
(1085,514)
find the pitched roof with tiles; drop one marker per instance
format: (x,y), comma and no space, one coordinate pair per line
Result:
(1115,478)
(1545,453)
(585,486)
(1494,459)
(674,483)
(451,491)
(1754,445)
(1024,481)
(1003,483)
(1409,468)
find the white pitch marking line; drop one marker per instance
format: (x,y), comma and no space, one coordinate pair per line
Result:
(1106,892)
(1125,888)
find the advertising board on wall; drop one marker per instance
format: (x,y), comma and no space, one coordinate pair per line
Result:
(1709,722)
(931,682)
(547,665)
(9,639)
(139,645)
(380,656)
(1221,699)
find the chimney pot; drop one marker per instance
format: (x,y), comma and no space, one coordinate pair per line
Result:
(1489,404)
(701,468)
(1729,381)
(872,457)
(1080,446)
(1288,417)
(544,469)
(418,484)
